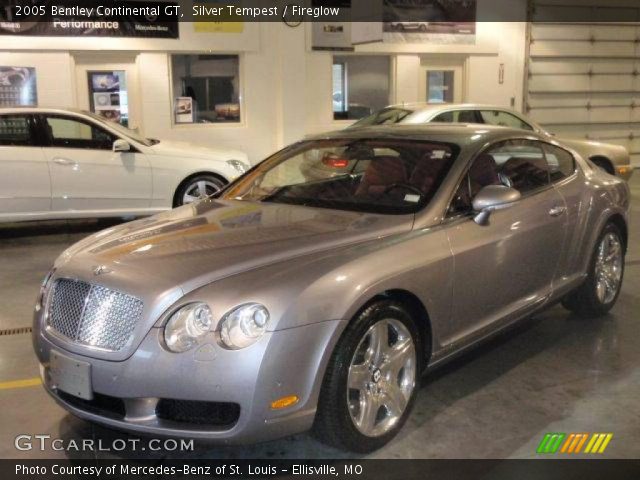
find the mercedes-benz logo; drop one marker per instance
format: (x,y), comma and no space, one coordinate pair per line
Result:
(101,270)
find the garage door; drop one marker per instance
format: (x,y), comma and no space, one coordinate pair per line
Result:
(583,80)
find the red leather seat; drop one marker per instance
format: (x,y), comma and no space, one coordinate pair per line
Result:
(380,174)
(427,173)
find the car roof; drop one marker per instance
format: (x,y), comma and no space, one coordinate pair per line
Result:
(440,107)
(462,134)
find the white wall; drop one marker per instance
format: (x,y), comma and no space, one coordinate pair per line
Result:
(286,88)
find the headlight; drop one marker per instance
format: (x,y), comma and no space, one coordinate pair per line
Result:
(244,325)
(187,326)
(44,286)
(238,165)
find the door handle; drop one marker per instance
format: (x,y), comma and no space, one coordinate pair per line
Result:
(65,161)
(557,211)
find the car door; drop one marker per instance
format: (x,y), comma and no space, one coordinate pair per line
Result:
(86,174)
(505,268)
(25,187)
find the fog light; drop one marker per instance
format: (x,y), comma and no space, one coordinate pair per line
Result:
(284,402)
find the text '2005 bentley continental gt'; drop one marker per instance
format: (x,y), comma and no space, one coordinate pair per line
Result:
(290,302)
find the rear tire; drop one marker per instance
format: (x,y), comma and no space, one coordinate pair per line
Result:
(370,384)
(599,292)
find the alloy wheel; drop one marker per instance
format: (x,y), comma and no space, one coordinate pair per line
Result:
(608,268)
(382,377)
(199,190)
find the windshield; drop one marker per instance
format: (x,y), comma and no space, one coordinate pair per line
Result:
(127,132)
(379,176)
(385,116)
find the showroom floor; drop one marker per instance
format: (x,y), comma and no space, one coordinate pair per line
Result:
(554,373)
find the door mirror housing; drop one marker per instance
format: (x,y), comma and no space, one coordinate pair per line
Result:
(121,146)
(492,198)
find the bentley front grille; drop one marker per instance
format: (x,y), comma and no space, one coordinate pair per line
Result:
(93,315)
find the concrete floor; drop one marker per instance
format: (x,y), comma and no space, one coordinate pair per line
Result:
(553,373)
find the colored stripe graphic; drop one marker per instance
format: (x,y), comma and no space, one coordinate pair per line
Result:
(573,443)
(550,443)
(598,443)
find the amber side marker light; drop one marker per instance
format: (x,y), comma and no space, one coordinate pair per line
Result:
(624,170)
(284,402)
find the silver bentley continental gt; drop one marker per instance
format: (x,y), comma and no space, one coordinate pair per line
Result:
(287,303)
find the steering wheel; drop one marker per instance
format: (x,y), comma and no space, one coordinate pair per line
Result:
(406,186)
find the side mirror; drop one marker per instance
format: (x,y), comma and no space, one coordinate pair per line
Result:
(121,146)
(492,198)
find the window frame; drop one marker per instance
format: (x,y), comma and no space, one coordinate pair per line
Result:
(459,110)
(575,162)
(49,142)
(34,135)
(448,216)
(345,122)
(241,87)
(507,112)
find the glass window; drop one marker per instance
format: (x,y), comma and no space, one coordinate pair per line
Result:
(519,164)
(392,176)
(458,116)
(440,87)
(561,163)
(15,130)
(503,119)
(74,133)
(361,85)
(386,116)
(206,88)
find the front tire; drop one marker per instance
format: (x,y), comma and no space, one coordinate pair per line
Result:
(370,384)
(198,188)
(600,291)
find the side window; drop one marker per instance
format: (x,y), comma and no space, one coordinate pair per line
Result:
(74,133)
(561,163)
(458,116)
(522,165)
(503,119)
(15,130)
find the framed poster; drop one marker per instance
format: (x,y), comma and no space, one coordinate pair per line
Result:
(184,110)
(108,95)
(18,87)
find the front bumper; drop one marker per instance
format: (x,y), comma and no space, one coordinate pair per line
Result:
(282,363)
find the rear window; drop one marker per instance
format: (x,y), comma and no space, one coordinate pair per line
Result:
(15,130)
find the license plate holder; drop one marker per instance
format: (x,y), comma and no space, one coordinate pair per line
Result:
(70,376)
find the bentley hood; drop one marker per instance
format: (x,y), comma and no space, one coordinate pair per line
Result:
(203,242)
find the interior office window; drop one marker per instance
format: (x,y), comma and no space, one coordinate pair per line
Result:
(14,130)
(72,133)
(440,86)
(361,85)
(206,88)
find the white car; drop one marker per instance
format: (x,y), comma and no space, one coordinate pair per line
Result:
(57,163)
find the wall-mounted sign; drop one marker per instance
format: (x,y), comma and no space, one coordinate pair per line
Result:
(433,21)
(18,87)
(108,95)
(123,19)
(184,110)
